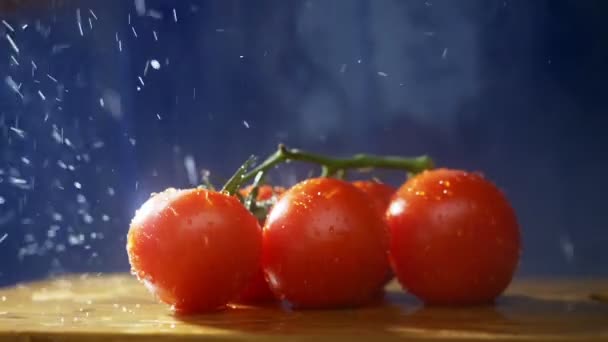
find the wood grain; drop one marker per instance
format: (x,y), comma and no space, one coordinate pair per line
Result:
(117,308)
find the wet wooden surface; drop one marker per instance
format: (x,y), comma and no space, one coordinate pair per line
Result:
(117,308)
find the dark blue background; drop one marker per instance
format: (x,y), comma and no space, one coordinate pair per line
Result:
(515,89)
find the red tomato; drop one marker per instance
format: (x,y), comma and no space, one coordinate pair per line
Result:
(265,192)
(380,195)
(324,246)
(194,249)
(454,238)
(257,290)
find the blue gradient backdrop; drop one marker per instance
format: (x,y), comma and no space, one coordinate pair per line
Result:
(515,89)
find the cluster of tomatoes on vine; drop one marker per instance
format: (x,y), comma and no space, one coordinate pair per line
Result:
(450,237)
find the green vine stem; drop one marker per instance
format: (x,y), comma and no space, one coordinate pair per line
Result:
(332,166)
(234,183)
(250,200)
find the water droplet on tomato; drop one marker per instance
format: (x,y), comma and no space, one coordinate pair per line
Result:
(397,207)
(150,286)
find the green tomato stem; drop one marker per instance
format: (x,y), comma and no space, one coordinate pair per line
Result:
(234,183)
(251,199)
(331,166)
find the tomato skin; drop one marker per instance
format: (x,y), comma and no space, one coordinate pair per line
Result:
(324,246)
(257,290)
(194,249)
(381,195)
(455,239)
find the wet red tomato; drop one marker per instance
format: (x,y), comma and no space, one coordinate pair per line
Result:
(381,195)
(325,246)
(194,249)
(454,238)
(257,290)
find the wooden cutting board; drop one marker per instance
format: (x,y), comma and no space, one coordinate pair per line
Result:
(117,308)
